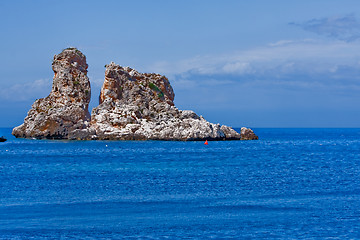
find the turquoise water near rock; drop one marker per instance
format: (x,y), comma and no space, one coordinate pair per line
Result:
(291,184)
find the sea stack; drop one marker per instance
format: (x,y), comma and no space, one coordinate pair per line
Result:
(139,106)
(132,106)
(64,113)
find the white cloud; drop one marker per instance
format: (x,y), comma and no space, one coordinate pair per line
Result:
(346,28)
(27,91)
(281,43)
(303,63)
(237,67)
(285,59)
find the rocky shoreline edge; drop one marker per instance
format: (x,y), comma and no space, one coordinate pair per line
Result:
(132,106)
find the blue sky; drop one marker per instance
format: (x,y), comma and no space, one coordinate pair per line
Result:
(240,63)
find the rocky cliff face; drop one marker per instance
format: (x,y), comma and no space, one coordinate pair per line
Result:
(136,106)
(64,113)
(132,106)
(247,134)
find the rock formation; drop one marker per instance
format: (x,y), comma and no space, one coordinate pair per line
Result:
(132,106)
(247,134)
(135,106)
(64,113)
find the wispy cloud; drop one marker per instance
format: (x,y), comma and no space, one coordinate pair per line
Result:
(287,63)
(26,91)
(303,63)
(346,28)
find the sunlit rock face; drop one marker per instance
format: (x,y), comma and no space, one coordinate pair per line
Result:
(248,134)
(132,106)
(139,106)
(64,113)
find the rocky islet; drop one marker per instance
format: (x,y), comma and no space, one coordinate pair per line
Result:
(132,106)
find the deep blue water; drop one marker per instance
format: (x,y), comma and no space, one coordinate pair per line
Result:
(291,184)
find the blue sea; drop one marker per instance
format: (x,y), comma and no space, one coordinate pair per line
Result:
(291,184)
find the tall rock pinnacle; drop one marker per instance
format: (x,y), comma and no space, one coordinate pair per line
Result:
(64,113)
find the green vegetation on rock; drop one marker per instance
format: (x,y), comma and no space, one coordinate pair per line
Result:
(156,89)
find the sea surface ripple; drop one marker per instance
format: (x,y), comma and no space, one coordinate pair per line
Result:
(291,184)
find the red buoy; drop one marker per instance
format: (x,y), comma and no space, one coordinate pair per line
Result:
(206,142)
